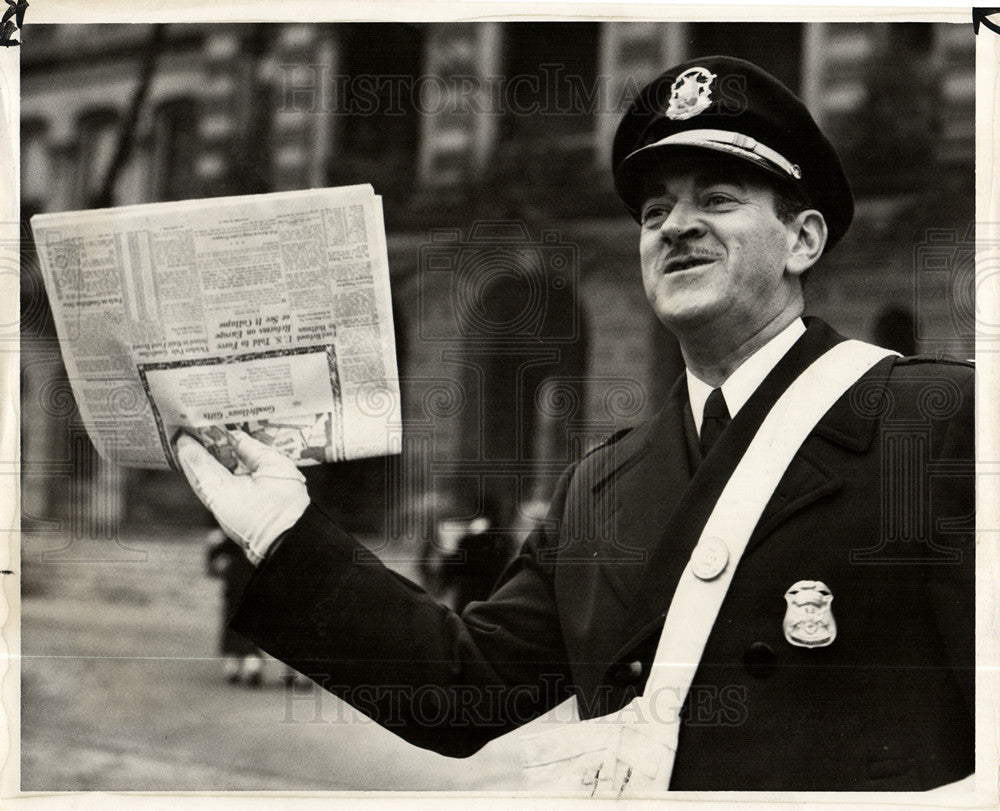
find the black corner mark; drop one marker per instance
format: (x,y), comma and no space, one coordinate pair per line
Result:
(7,30)
(15,9)
(980,16)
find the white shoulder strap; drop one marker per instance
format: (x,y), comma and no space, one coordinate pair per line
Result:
(696,602)
(632,750)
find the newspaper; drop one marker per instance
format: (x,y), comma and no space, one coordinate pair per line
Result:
(267,313)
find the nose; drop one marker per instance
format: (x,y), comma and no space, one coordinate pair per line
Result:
(681,223)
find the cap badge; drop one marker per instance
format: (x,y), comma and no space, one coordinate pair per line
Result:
(690,94)
(808,619)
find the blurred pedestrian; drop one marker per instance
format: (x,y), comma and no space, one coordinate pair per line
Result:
(894,328)
(228,562)
(481,555)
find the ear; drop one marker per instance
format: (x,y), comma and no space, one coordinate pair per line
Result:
(807,237)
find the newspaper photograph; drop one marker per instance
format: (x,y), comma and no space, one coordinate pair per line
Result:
(266,313)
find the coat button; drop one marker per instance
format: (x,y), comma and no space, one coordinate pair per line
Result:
(709,559)
(759,660)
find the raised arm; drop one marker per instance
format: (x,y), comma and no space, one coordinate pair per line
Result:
(323,604)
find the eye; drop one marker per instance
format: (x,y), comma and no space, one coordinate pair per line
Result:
(654,214)
(717,200)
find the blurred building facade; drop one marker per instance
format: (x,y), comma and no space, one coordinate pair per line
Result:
(522,327)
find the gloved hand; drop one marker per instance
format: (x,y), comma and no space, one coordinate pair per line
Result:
(252,509)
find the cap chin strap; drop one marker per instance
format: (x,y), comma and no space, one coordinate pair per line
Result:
(734,143)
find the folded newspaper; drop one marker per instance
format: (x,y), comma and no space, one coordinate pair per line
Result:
(266,313)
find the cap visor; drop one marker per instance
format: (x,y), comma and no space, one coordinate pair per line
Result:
(635,171)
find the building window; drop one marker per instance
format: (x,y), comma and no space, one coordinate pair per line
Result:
(376,102)
(174,148)
(34,165)
(98,140)
(776,47)
(550,90)
(917,39)
(550,96)
(887,141)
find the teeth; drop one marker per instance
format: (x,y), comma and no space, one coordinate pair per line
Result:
(688,263)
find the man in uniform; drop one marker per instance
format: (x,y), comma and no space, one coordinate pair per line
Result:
(842,655)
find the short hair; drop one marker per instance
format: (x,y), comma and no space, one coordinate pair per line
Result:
(789,201)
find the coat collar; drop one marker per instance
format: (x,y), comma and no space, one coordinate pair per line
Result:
(686,501)
(847,423)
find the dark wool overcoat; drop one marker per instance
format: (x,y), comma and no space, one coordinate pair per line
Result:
(878,504)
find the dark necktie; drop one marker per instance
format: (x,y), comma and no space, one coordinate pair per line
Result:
(714,420)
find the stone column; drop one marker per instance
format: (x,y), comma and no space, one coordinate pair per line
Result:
(631,54)
(457,102)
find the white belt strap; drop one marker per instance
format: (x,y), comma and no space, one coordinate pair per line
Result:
(634,748)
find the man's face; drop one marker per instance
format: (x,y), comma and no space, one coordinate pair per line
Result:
(713,251)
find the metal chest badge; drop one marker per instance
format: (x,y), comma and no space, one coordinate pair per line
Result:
(808,618)
(690,94)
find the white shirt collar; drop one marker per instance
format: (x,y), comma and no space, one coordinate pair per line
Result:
(744,381)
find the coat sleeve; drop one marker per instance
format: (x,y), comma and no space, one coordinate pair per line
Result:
(325,606)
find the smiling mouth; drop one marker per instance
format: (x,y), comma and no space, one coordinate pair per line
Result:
(686,263)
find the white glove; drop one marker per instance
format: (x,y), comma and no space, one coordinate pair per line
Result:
(252,509)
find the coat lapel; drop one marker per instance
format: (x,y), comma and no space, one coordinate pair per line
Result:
(629,490)
(670,543)
(645,491)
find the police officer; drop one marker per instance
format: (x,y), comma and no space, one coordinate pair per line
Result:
(842,655)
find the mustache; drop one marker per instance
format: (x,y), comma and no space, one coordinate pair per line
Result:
(680,257)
